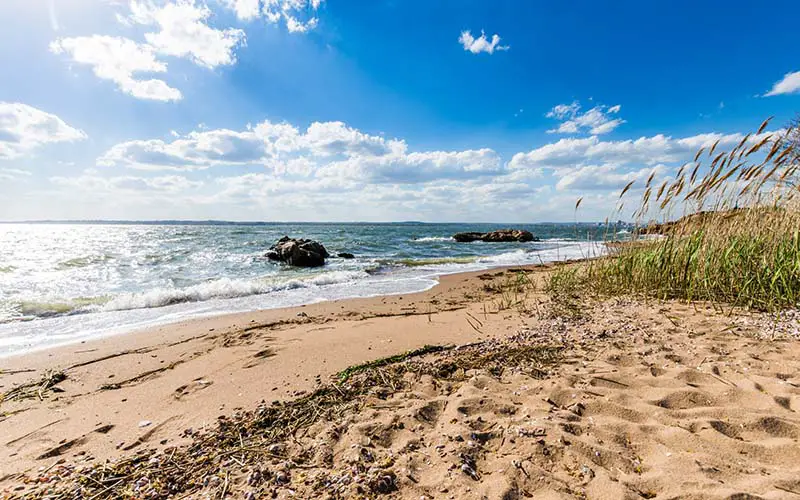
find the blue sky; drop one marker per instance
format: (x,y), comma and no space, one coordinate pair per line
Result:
(383,110)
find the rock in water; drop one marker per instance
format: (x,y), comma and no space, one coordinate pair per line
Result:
(345,255)
(298,252)
(509,235)
(467,237)
(502,235)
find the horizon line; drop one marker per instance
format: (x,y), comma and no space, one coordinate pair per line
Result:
(256,222)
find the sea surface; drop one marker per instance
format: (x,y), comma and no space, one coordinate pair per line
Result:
(65,283)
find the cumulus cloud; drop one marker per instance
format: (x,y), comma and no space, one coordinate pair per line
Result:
(644,150)
(24,128)
(299,16)
(332,171)
(246,10)
(183,31)
(119,60)
(418,167)
(789,84)
(597,121)
(327,149)
(589,165)
(608,177)
(197,150)
(481,44)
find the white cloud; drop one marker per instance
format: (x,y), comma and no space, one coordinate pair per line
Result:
(644,150)
(292,12)
(597,121)
(410,168)
(331,171)
(562,111)
(294,25)
(323,150)
(184,32)
(197,150)
(608,177)
(163,184)
(789,84)
(480,44)
(13,174)
(336,138)
(24,128)
(298,15)
(119,60)
(246,10)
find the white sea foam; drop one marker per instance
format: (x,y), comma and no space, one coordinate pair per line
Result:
(143,287)
(224,288)
(433,239)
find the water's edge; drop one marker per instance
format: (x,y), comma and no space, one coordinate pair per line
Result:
(51,333)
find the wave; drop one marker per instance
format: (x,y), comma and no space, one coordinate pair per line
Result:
(224,288)
(31,309)
(520,256)
(432,239)
(84,261)
(432,261)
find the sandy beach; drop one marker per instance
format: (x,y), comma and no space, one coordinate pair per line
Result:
(628,399)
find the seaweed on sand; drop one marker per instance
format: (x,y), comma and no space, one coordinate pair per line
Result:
(37,388)
(216,458)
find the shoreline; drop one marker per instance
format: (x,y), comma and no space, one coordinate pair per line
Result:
(184,374)
(408,280)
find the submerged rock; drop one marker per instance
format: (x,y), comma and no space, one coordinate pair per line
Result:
(345,255)
(298,252)
(502,235)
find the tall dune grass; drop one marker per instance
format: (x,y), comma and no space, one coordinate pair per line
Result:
(735,235)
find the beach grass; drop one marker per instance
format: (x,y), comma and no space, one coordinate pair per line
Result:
(733,236)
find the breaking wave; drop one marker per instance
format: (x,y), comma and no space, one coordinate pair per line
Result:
(432,239)
(225,288)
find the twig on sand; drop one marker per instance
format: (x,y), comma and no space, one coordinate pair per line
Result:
(16,440)
(143,350)
(783,488)
(14,372)
(36,388)
(611,381)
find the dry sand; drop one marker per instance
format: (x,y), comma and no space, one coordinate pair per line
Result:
(644,400)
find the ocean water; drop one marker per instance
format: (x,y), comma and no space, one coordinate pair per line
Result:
(64,283)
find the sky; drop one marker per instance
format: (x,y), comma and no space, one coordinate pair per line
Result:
(380,110)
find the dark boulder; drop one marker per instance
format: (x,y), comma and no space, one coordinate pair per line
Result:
(298,252)
(502,235)
(345,255)
(467,237)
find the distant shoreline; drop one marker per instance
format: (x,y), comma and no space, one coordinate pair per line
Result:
(172,222)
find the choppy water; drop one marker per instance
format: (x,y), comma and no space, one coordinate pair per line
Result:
(62,283)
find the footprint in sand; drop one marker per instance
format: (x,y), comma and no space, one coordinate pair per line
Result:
(195,385)
(684,400)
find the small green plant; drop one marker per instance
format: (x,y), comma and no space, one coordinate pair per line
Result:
(514,292)
(566,288)
(739,240)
